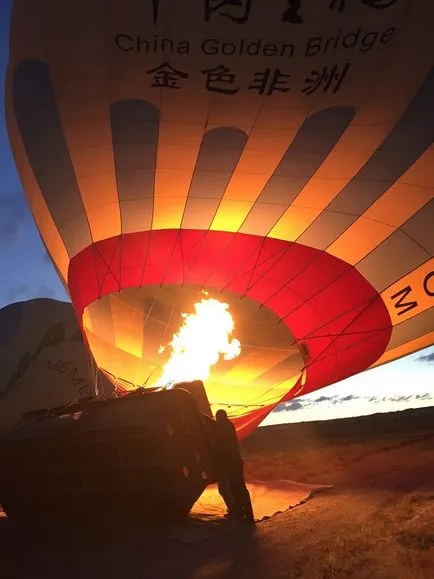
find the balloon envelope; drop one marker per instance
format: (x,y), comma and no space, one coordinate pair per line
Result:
(277,155)
(43,359)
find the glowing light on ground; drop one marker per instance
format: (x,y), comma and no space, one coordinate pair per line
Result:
(203,339)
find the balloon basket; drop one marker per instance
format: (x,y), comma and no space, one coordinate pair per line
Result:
(143,456)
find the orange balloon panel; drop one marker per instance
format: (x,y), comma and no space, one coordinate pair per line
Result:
(276,154)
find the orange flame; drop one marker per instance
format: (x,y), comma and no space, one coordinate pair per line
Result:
(204,337)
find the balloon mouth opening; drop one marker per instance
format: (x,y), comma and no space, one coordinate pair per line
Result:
(156,336)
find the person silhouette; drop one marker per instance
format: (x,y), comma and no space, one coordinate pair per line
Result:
(231,465)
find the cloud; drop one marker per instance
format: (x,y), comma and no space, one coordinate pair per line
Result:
(327,401)
(292,405)
(427,358)
(348,398)
(13,215)
(26,292)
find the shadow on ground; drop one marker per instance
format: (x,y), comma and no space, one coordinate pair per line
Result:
(377,521)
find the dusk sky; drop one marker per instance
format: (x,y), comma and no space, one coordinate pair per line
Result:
(27,272)
(26,269)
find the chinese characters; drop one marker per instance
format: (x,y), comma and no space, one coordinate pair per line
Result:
(292,13)
(222,80)
(327,78)
(239,10)
(268,81)
(380,4)
(236,10)
(340,5)
(165,76)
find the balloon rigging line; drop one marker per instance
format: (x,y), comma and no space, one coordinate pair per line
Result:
(365,338)
(346,327)
(274,259)
(320,355)
(285,251)
(277,385)
(335,319)
(267,401)
(155,359)
(239,274)
(352,333)
(108,268)
(219,260)
(329,335)
(148,245)
(307,300)
(198,246)
(175,243)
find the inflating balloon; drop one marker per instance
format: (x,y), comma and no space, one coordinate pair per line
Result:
(44,362)
(275,155)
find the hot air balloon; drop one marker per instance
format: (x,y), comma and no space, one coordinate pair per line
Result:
(43,359)
(276,155)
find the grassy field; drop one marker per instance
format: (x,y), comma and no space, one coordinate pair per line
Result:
(319,449)
(377,521)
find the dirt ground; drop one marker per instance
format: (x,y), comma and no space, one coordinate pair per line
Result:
(377,521)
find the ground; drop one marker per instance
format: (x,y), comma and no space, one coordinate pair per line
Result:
(377,521)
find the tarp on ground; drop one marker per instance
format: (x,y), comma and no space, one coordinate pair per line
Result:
(268,498)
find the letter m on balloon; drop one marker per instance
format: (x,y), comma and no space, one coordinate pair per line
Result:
(403,306)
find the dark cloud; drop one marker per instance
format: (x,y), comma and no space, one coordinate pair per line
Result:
(292,405)
(349,397)
(399,398)
(426,396)
(26,292)
(325,399)
(13,215)
(427,358)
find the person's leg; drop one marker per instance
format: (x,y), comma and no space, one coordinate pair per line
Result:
(234,491)
(238,490)
(244,503)
(247,504)
(225,492)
